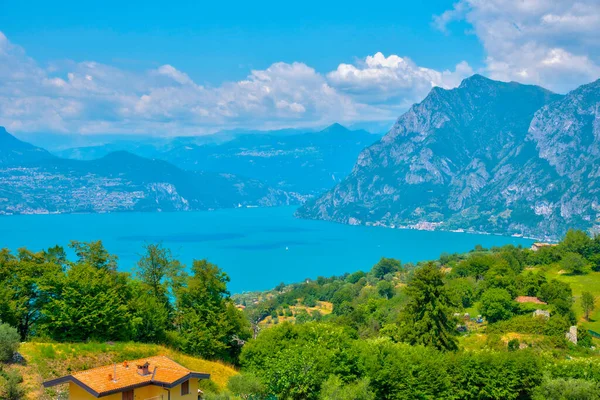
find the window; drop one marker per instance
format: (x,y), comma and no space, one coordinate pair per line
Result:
(128,395)
(185,388)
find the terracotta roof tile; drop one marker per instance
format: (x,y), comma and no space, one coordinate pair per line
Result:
(119,377)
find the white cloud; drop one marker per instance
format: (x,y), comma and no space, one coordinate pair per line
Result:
(383,79)
(89,97)
(549,42)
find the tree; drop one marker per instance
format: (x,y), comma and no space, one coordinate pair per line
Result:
(94,254)
(573,263)
(555,290)
(89,303)
(587,304)
(576,241)
(9,342)
(497,304)
(425,318)
(386,289)
(22,292)
(386,266)
(210,325)
(159,270)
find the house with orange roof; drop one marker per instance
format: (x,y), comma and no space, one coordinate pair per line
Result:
(152,378)
(538,245)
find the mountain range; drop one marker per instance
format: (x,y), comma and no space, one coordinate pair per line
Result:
(487,156)
(304,162)
(182,173)
(33,181)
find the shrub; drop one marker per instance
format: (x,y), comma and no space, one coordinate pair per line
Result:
(245,386)
(9,342)
(12,388)
(513,345)
(567,389)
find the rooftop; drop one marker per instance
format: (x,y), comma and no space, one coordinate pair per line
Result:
(528,299)
(115,378)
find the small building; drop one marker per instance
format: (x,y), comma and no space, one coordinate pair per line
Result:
(538,245)
(571,335)
(149,378)
(529,299)
(542,313)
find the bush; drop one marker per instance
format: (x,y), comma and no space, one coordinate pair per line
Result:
(513,345)
(567,389)
(9,342)
(335,389)
(12,388)
(245,386)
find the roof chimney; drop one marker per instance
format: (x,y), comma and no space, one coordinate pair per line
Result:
(144,369)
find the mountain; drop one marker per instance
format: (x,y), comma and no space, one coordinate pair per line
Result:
(487,156)
(12,150)
(121,181)
(307,163)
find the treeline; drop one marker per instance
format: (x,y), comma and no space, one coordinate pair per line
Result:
(45,296)
(398,331)
(336,364)
(368,302)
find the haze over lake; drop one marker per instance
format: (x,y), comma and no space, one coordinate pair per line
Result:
(257,247)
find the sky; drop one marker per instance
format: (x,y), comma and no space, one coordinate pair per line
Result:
(185,68)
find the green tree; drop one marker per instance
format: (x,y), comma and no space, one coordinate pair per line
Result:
(386,289)
(497,304)
(555,290)
(576,241)
(159,270)
(573,263)
(587,304)
(94,254)
(425,319)
(22,291)
(89,303)
(9,342)
(209,323)
(386,266)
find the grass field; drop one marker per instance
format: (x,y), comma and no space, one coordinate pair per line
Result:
(589,282)
(50,360)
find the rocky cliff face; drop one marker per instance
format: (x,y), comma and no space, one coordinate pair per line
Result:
(487,156)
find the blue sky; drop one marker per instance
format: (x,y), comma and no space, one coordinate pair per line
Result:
(194,67)
(218,41)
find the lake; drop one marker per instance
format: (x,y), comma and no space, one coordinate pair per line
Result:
(257,247)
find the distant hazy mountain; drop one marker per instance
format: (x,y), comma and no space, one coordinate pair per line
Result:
(487,156)
(307,163)
(12,150)
(36,182)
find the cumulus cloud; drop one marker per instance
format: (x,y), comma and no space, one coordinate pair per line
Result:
(549,42)
(90,97)
(380,79)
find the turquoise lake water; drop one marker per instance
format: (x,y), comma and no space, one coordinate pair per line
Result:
(257,247)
